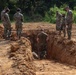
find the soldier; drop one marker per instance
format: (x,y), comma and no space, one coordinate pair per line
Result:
(69,20)
(6,23)
(58,21)
(18,17)
(63,25)
(42,39)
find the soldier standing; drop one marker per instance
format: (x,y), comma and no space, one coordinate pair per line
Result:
(42,39)
(18,17)
(6,23)
(58,22)
(63,25)
(69,20)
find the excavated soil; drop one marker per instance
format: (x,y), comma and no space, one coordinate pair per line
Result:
(16,56)
(62,49)
(1,32)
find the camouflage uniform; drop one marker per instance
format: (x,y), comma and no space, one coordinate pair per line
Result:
(19,19)
(63,25)
(6,23)
(42,44)
(69,20)
(58,20)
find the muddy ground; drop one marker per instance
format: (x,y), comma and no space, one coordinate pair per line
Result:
(16,56)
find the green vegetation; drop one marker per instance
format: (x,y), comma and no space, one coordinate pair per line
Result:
(38,10)
(50,16)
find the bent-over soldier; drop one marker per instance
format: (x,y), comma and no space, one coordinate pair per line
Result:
(6,23)
(42,39)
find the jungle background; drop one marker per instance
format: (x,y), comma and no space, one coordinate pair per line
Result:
(38,10)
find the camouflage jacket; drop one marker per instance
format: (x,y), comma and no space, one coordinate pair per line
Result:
(69,16)
(58,17)
(64,20)
(5,18)
(18,17)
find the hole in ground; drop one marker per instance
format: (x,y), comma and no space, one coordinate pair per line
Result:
(58,47)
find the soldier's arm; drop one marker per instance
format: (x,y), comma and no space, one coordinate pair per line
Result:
(2,18)
(47,36)
(14,17)
(37,39)
(22,18)
(47,39)
(71,14)
(65,21)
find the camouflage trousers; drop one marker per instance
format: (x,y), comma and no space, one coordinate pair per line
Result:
(7,32)
(42,50)
(63,28)
(69,29)
(58,25)
(19,30)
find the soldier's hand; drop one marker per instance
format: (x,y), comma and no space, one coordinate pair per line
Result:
(22,23)
(47,39)
(37,40)
(66,26)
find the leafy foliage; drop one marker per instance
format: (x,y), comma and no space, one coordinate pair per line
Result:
(38,10)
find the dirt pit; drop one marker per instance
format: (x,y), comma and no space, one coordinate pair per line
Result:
(58,47)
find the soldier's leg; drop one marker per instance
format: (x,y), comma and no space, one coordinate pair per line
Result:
(60,29)
(69,34)
(43,51)
(5,32)
(60,32)
(16,29)
(19,32)
(39,49)
(9,32)
(69,31)
(64,31)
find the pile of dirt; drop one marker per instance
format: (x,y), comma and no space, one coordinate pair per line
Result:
(13,37)
(61,49)
(22,56)
(1,32)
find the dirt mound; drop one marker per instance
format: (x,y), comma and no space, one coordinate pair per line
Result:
(13,37)
(61,49)
(22,56)
(1,32)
